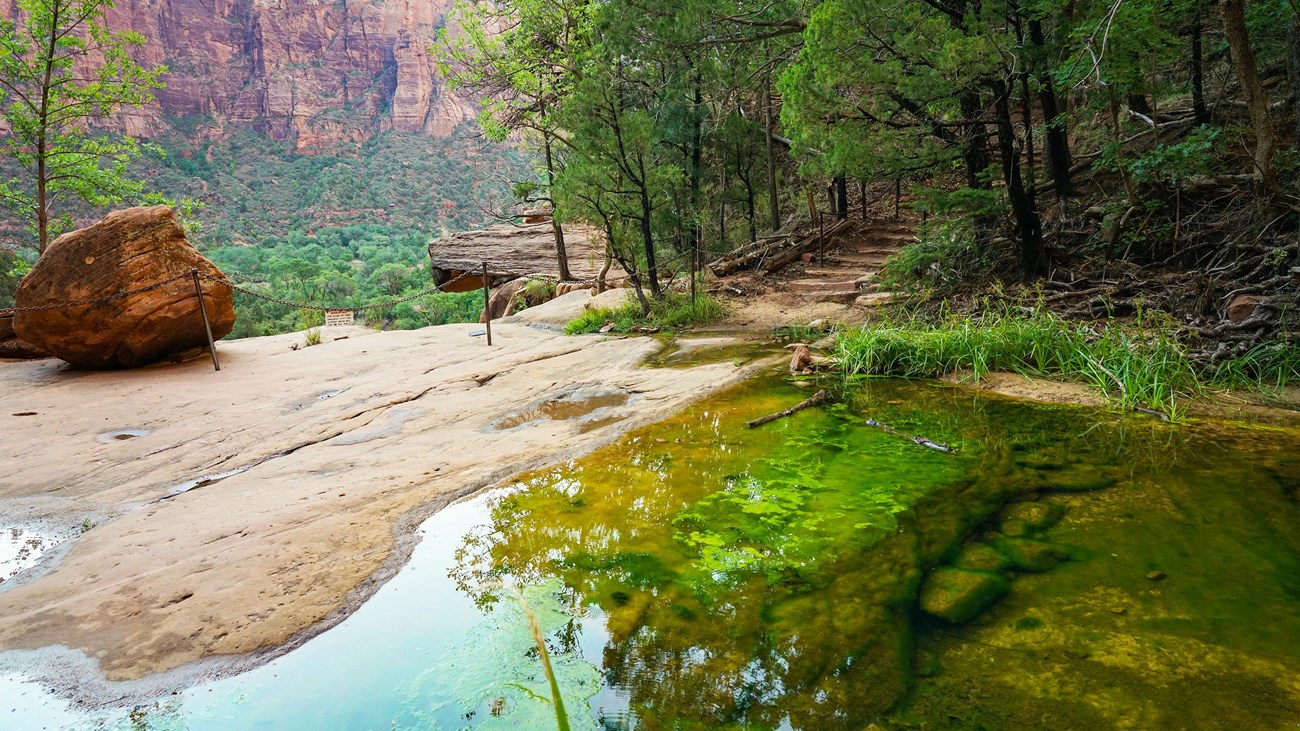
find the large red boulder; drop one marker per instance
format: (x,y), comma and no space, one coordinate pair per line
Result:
(128,250)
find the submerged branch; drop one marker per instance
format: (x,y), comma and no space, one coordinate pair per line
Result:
(817,398)
(927,443)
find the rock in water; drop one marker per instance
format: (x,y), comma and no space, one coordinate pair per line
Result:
(128,250)
(959,595)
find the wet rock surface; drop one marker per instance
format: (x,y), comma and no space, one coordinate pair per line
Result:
(960,595)
(327,489)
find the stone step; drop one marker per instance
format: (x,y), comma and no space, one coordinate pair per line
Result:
(860,263)
(842,298)
(821,285)
(868,251)
(875,299)
(834,274)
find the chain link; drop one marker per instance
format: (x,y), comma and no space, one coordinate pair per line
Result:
(225,282)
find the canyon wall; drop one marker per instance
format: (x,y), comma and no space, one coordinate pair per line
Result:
(311,72)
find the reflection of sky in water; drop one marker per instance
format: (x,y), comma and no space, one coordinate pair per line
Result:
(21,548)
(411,657)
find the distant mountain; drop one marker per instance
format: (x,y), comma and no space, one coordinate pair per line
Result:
(308,72)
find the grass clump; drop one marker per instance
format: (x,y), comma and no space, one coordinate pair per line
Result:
(1135,365)
(674,312)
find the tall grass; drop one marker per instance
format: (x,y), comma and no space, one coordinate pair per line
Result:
(1135,365)
(674,312)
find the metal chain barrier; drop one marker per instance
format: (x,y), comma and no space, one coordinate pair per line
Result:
(225,282)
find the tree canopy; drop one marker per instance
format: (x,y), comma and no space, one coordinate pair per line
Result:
(61,68)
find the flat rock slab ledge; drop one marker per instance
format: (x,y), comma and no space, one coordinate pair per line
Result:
(221,514)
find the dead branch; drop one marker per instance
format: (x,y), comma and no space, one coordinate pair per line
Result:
(816,398)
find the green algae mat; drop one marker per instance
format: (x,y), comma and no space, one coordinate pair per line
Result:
(1060,568)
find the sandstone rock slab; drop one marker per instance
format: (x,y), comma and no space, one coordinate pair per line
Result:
(125,252)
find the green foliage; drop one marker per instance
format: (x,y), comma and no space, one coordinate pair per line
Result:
(47,95)
(673,312)
(537,291)
(311,337)
(943,255)
(12,270)
(1168,164)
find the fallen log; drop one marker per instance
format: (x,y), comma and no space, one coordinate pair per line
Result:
(791,254)
(816,398)
(731,263)
(927,443)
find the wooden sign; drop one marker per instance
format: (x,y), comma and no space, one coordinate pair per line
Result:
(338,318)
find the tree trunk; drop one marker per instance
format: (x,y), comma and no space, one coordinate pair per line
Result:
(1056,137)
(841,198)
(1293,67)
(1243,61)
(1198,73)
(974,153)
(697,170)
(648,240)
(1033,258)
(561,256)
(773,202)
(1026,113)
(722,205)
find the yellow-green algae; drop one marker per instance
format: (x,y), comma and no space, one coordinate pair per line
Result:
(755,578)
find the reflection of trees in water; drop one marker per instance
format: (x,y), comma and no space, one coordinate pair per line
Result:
(816,627)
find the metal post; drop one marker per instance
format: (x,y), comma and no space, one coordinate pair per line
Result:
(207,326)
(487,303)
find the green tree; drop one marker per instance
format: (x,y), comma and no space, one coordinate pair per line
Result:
(61,68)
(522,58)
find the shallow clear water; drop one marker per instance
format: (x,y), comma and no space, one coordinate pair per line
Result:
(699,574)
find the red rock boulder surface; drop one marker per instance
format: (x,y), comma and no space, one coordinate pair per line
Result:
(128,250)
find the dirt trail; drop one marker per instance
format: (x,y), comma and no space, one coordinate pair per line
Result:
(838,286)
(346,446)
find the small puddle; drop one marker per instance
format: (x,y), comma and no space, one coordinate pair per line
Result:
(121,435)
(690,352)
(21,548)
(572,406)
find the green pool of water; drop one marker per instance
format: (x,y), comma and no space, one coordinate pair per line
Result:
(702,575)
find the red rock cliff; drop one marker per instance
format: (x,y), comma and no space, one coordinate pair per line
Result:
(308,71)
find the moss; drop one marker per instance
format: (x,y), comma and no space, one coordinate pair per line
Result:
(1034,515)
(981,557)
(1031,555)
(1078,479)
(959,595)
